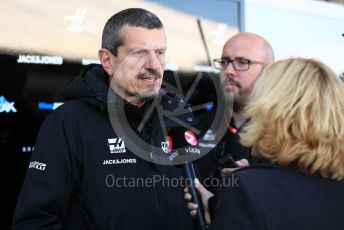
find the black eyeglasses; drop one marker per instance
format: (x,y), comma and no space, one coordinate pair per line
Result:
(240,64)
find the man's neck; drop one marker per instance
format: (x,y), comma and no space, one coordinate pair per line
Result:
(238,118)
(137,103)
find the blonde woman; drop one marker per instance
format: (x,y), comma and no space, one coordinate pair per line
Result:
(296,128)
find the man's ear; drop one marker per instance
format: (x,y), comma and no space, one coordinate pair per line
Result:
(105,57)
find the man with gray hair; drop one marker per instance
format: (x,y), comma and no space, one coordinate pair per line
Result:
(83,174)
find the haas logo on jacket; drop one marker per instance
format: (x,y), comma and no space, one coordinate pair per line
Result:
(116,145)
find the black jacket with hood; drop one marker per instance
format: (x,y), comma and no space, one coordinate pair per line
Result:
(83,176)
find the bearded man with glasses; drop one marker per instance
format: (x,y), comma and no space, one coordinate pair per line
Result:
(244,57)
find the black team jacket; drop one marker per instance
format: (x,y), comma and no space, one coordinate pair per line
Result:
(83,176)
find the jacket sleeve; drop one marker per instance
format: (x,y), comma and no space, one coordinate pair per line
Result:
(51,177)
(236,207)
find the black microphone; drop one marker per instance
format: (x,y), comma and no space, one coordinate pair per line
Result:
(185,141)
(190,175)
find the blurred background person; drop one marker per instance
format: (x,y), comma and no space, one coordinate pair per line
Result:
(244,57)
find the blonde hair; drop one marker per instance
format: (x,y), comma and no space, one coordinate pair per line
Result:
(297,116)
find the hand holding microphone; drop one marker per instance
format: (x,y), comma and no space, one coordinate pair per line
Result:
(204,194)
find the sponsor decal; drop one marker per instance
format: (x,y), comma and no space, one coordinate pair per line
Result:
(36,59)
(76,20)
(27,149)
(6,106)
(37,165)
(116,145)
(120,161)
(166,145)
(192,150)
(49,106)
(190,137)
(209,135)
(207,145)
(173,155)
(89,61)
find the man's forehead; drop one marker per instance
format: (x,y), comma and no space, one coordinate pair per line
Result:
(242,50)
(139,37)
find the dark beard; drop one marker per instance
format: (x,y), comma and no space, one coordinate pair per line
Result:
(240,101)
(239,104)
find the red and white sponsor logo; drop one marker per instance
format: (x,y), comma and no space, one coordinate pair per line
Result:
(190,137)
(166,146)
